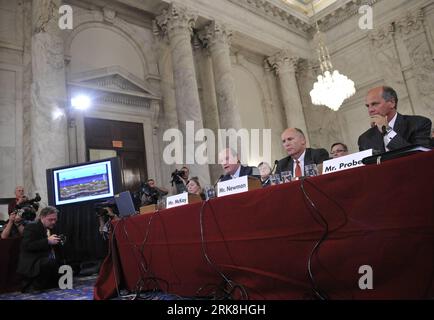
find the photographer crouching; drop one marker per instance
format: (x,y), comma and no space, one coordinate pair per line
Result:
(38,261)
(21,212)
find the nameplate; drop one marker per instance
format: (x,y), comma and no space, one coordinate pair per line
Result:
(232,186)
(346,162)
(177,200)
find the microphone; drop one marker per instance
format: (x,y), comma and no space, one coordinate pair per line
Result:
(218,180)
(383,130)
(275,164)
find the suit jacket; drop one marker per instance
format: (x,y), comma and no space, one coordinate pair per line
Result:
(410,130)
(244,171)
(34,249)
(312,156)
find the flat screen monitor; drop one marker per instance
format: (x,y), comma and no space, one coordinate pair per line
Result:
(83,182)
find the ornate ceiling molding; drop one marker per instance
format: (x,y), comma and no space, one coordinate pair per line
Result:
(289,21)
(275,14)
(405,25)
(344,12)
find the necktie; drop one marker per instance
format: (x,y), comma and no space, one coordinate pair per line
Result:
(297,169)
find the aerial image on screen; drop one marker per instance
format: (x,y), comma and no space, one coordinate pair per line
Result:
(88,182)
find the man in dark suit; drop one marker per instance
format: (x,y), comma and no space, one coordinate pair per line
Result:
(231,165)
(37,261)
(389,129)
(299,156)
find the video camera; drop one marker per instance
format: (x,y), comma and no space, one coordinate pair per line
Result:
(152,194)
(27,209)
(106,209)
(177,177)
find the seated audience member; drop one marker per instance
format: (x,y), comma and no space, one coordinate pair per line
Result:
(231,165)
(299,156)
(391,130)
(14,227)
(193,186)
(338,149)
(265,172)
(38,258)
(19,199)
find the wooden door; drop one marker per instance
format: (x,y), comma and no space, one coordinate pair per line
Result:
(127,139)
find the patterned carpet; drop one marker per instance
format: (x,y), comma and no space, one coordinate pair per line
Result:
(83,290)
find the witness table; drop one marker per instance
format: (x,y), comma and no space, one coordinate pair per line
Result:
(9,252)
(380,218)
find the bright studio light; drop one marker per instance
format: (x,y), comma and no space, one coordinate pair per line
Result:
(80,102)
(57,113)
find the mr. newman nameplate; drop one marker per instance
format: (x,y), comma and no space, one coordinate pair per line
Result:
(232,186)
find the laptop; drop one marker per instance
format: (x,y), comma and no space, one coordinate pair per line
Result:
(125,204)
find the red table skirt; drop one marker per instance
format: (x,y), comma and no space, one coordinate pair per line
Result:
(381,216)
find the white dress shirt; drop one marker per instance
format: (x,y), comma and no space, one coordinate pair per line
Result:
(388,137)
(237,173)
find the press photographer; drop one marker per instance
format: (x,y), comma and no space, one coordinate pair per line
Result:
(24,212)
(19,198)
(39,255)
(150,193)
(28,208)
(105,212)
(179,180)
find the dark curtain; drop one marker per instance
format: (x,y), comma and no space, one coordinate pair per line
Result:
(79,223)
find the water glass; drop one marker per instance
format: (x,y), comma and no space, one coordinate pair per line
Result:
(286,176)
(161,203)
(310,170)
(209,192)
(275,179)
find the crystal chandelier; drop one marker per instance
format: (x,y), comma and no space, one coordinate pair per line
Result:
(332,88)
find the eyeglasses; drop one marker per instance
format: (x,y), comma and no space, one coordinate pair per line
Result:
(337,151)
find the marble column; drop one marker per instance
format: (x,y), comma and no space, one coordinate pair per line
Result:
(49,139)
(168,117)
(207,95)
(217,38)
(285,67)
(177,23)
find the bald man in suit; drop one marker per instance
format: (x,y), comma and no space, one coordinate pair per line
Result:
(389,129)
(294,142)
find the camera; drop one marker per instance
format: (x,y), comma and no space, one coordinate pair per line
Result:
(149,194)
(27,209)
(176,177)
(105,209)
(62,238)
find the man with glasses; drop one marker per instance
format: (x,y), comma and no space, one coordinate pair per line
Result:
(338,149)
